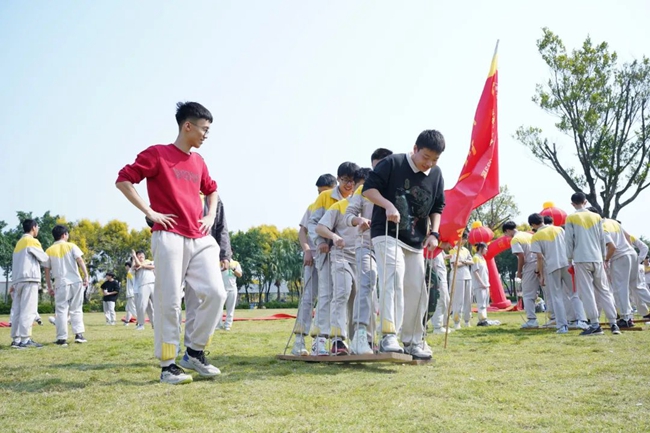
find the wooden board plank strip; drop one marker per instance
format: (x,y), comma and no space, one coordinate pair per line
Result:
(380,357)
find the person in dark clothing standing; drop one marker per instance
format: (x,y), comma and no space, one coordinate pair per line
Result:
(408,193)
(110,289)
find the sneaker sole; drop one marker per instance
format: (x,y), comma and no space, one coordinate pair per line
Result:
(188,366)
(180,382)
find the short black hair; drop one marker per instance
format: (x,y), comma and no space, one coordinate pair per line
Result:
(380,153)
(432,140)
(347,169)
(578,197)
(58,231)
(191,111)
(535,218)
(361,174)
(326,180)
(594,210)
(480,245)
(129,264)
(509,225)
(28,225)
(110,274)
(139,252)
(548,220)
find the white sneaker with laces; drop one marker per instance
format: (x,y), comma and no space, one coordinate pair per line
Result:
(457,325)
(530,324)
(199,364)
(563,330)
(174,375)
(359,344)
(390,344)
(416,350)
(319,347)
(299,348)
(441,330)
(583,325)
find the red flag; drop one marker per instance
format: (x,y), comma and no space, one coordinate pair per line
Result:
(479,180)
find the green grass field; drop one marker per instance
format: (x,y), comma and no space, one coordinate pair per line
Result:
(496,379)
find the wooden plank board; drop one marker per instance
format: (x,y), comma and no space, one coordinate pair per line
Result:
(399,358)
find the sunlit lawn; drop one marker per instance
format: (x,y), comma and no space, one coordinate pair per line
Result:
(495,379)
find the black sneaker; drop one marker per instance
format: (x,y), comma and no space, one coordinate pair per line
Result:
(15,345)
(647,316)
(79,338)
(39,321)
(61,343)
(622,323)
(594,331)
(482,323)
(615,329)
(339,347)
(174,375)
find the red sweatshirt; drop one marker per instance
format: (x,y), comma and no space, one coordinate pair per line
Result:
(174,179)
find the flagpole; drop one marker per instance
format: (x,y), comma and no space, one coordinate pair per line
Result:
(453,288)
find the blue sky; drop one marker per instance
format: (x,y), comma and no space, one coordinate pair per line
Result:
(296,87)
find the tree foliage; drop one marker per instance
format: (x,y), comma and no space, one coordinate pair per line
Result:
(496,211)
(604,108)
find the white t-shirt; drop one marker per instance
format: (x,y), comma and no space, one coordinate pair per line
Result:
(229,277)
(144,276)
(480,267)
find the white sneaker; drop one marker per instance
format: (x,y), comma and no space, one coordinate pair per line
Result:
(426,347)
(530,324)
(359,344)
(467,324)
(442,330)
(389,343)
(139,327)
(199,364)
(563,330)
(52,320)
(174,375)
(319,347)
(550,324)
(417,351)
(583,325)
(457,325)
(299,348)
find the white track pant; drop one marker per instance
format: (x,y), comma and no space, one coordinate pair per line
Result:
(438,318)
(229,307)
(25,305)
(529,290)
(402,300)
(623,275)
(194,261)
(144,303)
(309,296)
(641,294)
(321,325)
(109,311)
(343,279)
(482,296)
(591,283)
(573,304)
(130,309)
(367,271)
(69,302)
(462,302)
(558,283)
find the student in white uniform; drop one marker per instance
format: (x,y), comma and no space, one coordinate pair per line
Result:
(440,321)
(325,182)
(462,297)
(358,214)
(585,245)
(64,261)
(526,267)
(25,278)
(321,325)
(481,283)
(145,280)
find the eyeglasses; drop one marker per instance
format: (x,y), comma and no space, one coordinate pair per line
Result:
(205,129)
(346,180)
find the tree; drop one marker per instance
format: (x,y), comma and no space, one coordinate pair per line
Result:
(605,110)
(286,256)
(493,213)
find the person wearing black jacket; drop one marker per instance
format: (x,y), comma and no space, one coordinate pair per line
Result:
(110,289)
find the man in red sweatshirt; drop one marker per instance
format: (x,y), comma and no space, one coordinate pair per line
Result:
(183,250)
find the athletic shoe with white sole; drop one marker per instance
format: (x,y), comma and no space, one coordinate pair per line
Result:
(30,344)
(139,327)
(416,350)
(441,330)
(199,364)
(52,320)
(319,347)
(61,343)
(174,375)
(530,324)
(79,338)
(594,331)
(390,344)
(615,329)
(359,344)
(299,347)
(563,330)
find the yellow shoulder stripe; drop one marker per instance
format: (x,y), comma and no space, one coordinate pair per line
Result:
(59,250)
(27,242)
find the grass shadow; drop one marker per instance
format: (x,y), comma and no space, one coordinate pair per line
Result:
(42,385)
(95,367)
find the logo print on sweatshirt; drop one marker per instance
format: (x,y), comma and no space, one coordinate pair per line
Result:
(187,175)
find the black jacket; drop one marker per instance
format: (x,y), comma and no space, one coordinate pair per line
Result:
(220,230)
